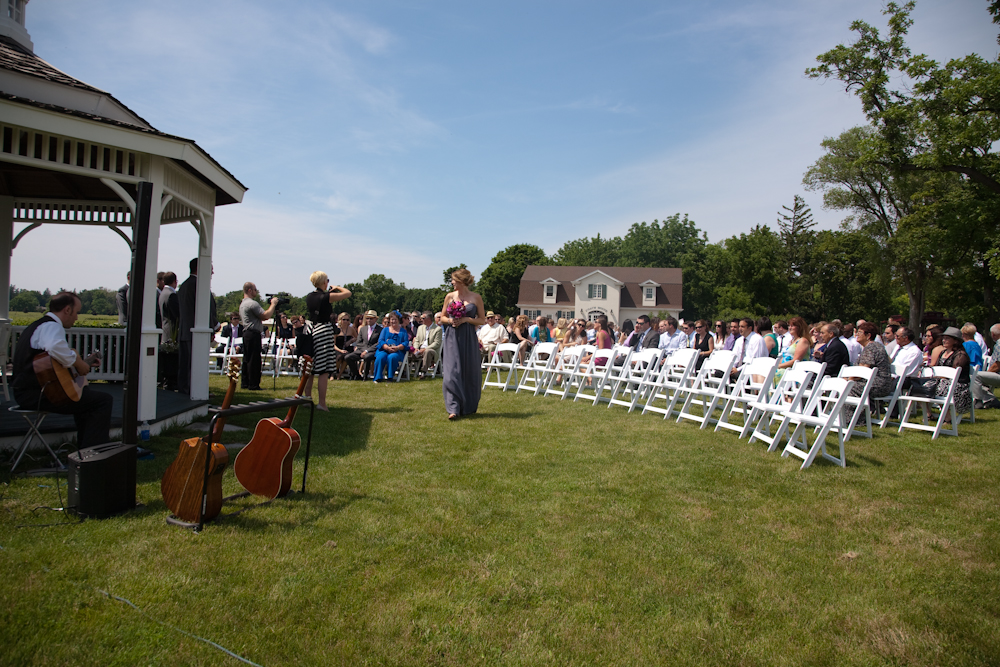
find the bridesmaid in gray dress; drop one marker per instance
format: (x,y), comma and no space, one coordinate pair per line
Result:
(460,348)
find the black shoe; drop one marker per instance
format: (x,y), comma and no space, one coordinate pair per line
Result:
(254,389)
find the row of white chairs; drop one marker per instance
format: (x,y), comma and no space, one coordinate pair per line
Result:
(802,407)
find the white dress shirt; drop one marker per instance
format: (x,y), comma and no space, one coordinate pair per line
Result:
(753,344)
(676,341)
(51,337)
(891,347)
(492,334)
(911,355)
(853,349)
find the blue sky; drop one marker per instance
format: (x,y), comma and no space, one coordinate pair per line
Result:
(403,138)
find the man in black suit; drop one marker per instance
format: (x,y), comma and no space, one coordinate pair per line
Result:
(835,355)
(365,345)
(645,337)
(187,295)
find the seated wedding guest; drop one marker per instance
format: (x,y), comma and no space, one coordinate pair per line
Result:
(670,338)
(645,336)
(559,330)
(889,338)
(933,346)
(984,349)
(704,342)
(720,333)
(853,346)
(591,332)
(799,349)
(519,334)
(770,338)
(391,350)
(972,348)
(574,336)
(784,337)
(818,344)
(365,346)
(427,343)
(540,332)
(835,353)
(625,337)
(989,377)
(750,345)
(491,334)
(385,320)
(954,356)
(734,333)
(688,329)
(343,343)
(873,356)
(231,331)
(907,353)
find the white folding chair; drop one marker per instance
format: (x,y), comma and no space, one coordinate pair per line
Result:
(506,371)
(593,376)
(620,366)
(562,374)
(709,387)
(787,397)
(674,377)
(857,406)
(641,364)
(898,370)
(819,417)
(534,373)
(944,404)
(403,371)
(755,382)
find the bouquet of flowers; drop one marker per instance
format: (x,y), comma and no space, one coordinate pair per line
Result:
(455,310)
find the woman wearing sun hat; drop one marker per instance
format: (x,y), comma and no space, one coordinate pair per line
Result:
(954,356)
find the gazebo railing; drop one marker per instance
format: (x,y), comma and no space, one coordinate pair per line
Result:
(109,342)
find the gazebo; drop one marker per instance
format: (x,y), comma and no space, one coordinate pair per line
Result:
(72,154)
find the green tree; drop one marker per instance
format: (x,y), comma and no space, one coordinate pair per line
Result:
(939,119)
(758,270)
(851,280)
(501,280)
(907,213)
(795,225)
(594,251)
(25,301)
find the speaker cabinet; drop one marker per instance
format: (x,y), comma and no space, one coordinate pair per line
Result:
(102,480)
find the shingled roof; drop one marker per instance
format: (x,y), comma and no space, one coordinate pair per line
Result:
(667,294)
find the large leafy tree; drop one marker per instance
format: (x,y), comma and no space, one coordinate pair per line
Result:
(501,280)
(929,118)
(902,211)
(757,272)
(594,251)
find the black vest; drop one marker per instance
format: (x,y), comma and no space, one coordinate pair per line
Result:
(25,384)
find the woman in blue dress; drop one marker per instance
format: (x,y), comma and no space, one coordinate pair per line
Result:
(391,349)
(463,374)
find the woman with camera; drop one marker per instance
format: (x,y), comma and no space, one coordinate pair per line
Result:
(320,309)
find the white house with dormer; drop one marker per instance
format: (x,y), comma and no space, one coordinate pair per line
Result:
(620,293)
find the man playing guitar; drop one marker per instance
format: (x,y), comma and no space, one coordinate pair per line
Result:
(47,334)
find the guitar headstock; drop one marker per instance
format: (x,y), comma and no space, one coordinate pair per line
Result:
(305,364)
(233,372)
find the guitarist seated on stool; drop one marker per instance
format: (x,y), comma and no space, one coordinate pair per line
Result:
(47,334)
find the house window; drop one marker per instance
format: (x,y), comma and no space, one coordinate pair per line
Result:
(649,294)
(568,314)
(550,291)
(597,291)
(15,10)
(531,314)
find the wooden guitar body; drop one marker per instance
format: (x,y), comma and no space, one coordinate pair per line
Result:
(58,383)
(182,482)
(264,466)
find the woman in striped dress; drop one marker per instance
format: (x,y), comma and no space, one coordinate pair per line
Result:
(320,309)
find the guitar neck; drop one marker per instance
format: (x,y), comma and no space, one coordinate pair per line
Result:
(220,423)
(306,372)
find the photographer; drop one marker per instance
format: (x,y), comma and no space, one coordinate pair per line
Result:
(320,308)
(252,316)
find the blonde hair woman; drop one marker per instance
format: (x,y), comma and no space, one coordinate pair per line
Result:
(462,312)
(320,310)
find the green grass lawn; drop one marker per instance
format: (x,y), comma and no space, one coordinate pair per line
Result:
(536,532)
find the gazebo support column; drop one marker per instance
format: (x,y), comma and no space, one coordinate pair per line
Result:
(6,241)
(150,333)
(201,333)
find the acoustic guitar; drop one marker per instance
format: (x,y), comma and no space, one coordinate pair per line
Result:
(264,466)
(60,385)
(182,483)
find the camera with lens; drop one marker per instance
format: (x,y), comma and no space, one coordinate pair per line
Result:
(284,298)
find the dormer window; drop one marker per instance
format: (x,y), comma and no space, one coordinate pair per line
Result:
(550,291)
(15,10)
(649,293)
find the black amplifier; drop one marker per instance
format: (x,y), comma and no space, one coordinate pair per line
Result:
(102,480)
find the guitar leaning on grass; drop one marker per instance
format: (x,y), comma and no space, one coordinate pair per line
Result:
(264,466)
(181,485)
